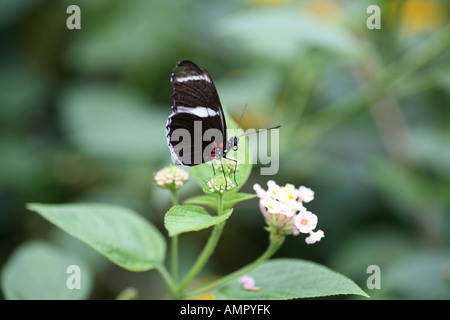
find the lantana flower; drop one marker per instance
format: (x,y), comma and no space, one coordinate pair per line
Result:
(314,236)
(305,194)
(171,177)
(285,214)
(305,221)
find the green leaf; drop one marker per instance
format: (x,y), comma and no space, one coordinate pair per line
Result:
(290,279)
(121,235)
(206,200)
(39,271)
(187,218)
(230,199)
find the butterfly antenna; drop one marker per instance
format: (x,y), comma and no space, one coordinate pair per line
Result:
(239,124)
(268,129)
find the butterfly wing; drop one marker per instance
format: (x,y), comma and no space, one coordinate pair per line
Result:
(196,129)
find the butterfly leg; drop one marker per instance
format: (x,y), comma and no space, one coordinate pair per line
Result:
(235,168)
(214,170)
(224,175)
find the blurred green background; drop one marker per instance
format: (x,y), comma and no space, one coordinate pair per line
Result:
(364,115)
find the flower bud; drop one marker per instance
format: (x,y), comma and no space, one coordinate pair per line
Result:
(229,167)
(171,177)
(219,183)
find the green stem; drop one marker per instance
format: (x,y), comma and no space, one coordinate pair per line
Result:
(174,243)
(167,278)
(270,251)
(207,250)
(219,204)
(174,258)
(174,197)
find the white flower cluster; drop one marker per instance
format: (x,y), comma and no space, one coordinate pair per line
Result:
(284,211)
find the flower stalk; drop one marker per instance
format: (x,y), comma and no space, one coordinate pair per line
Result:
(208,249)
(270,251)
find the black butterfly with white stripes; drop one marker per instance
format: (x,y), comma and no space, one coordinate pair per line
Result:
(196,128)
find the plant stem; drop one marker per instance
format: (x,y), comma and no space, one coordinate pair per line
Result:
(174,244)
(207,250)
(167,278)
(174,197)
(219,204)
(270,251)
(174,258)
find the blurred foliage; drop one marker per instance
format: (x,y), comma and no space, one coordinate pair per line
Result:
(364,115)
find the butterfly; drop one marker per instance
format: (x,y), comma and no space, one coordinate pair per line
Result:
(196,128)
